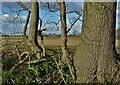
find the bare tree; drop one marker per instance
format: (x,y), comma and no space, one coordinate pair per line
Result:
(34,28)
(61,6)
(63,31)
(32,38)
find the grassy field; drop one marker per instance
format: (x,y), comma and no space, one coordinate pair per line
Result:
(48,41)
(46,71)
(73,41)
(8,43)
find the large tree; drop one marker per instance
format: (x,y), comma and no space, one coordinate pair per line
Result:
(96,55)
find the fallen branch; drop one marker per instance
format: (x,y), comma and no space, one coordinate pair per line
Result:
(20,62)
(18,53)
(48,80)
(70,70)
(36,61)
(59,70)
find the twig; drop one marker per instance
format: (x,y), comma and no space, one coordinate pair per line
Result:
(18,52)
(36,61)
(21,61)
(72,24)
(14,67)
(23,6)
(70,70)
(68,66)
(47,81)
(13,81)
(59,70)
(26,23)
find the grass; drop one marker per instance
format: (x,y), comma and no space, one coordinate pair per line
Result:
(73,41)
(41,72)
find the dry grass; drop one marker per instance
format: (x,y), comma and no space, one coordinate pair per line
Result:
(72,41)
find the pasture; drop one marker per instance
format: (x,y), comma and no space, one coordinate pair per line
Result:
(72,41)
(8,43)
(49,42)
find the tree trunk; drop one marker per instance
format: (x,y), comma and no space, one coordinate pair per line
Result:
(63,31)
(33,28)
(95,56)
(34,23)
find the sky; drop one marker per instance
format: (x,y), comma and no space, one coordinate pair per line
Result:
(118,15)
(13,24)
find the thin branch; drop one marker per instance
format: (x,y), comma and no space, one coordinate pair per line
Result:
(18,52)
(59,70)
(48,5)
(36,61)
(48,80)
(20,55)
(77,12)
(23,6)
(26,24)
(56,23)
(70,70)
(13,20)
(16,11)
(79,15)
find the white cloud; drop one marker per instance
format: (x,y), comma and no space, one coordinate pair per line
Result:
(23,17)
(19,19)
(15,16)
(6,15)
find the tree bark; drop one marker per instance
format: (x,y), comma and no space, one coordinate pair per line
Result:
(34,23)
(95,56)
(33,29)
(63,31)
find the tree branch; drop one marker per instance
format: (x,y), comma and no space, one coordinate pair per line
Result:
(26,24)
(48,5)
(23,6)
(73,23)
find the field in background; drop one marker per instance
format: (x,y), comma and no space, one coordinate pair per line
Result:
(48,41)
(72,41)
(8,43)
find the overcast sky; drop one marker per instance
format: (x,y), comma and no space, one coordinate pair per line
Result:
(10,10)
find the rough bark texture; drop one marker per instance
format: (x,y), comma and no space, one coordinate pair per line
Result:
(63,31)
(95,55)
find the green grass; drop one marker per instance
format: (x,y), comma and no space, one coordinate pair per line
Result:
(40,72)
